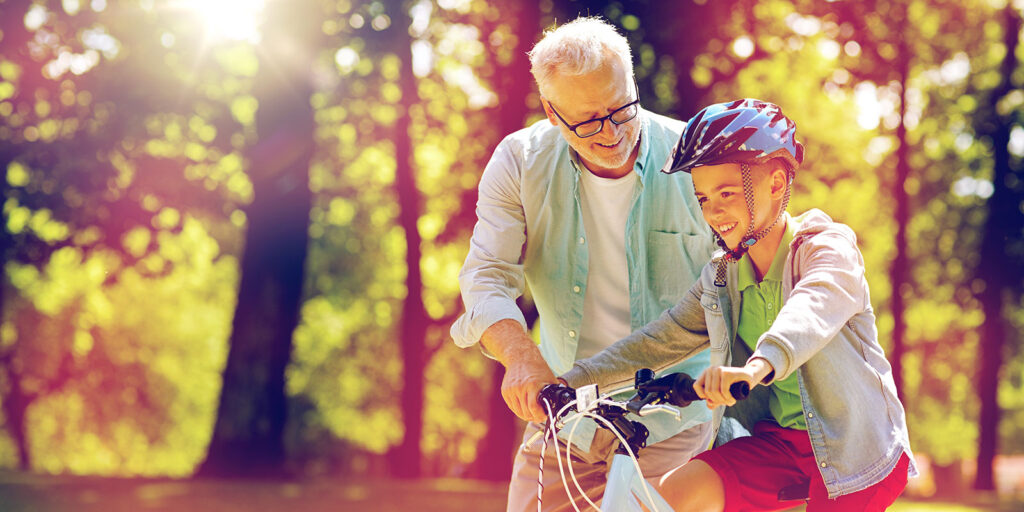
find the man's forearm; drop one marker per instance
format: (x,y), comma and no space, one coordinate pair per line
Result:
(507,341)
(526,371)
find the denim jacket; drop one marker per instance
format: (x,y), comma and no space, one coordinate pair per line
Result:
(825,332)
(530,233)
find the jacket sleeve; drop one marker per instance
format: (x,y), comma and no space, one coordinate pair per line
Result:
(492,277)
(829,290)
(678,334)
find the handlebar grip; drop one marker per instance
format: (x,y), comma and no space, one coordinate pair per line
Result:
(682,393)
(557,395)
(740,390)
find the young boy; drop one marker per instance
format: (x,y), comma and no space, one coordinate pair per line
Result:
(793,290)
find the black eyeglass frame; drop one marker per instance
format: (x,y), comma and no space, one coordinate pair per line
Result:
(572,128)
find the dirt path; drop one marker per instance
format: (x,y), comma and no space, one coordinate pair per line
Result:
(34,493)
(21,492)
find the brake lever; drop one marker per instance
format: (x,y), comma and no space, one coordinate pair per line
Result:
(648,410)
(638,402)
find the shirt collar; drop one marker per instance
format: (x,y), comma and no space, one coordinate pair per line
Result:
(644,142)
(745,267)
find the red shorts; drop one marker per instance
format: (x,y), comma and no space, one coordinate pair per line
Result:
(754,469)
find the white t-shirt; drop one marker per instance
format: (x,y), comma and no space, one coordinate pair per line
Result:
(606,203)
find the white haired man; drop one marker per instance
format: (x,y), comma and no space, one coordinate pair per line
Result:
(576,208)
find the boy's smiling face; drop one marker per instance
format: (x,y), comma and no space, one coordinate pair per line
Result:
(719,191)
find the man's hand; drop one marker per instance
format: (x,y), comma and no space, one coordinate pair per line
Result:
(713,384)
(525,370)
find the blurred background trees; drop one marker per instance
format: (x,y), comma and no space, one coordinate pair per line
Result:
(222,237)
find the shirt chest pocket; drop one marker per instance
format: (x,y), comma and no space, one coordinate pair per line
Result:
(672,268)
(715,320)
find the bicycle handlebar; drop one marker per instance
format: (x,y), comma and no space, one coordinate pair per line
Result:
(674,388)
(677,389)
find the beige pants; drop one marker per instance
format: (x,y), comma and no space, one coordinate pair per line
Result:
(590,468)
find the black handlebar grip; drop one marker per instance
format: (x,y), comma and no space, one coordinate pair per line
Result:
(557,395)
(682,392)
(740,390)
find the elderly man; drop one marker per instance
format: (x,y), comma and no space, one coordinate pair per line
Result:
(576,208)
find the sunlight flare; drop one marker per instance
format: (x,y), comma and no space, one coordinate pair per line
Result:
(237,20)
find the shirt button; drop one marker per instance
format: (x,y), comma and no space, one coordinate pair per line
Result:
(769,305)
(572,334)
(576,289)
(810,415)
(822,464)
(714,306)
(582,240)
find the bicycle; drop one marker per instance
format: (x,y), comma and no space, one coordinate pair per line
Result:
(626,487)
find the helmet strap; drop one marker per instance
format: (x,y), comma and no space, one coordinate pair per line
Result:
(749,239)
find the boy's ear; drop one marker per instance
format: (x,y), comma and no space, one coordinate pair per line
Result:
(779,181)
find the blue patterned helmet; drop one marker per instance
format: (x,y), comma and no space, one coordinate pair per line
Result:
(743,131)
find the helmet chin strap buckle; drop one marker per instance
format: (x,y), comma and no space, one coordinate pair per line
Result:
(749,242)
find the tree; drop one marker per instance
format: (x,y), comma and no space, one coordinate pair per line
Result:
(1001,266)
(248,438)
(407,457)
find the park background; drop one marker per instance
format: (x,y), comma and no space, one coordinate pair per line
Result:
(232,231)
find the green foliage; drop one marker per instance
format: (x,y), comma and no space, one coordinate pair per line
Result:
(145,356)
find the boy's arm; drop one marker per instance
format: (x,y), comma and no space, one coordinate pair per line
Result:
(679,333)
(829,292)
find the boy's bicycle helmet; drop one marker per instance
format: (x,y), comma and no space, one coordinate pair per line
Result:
(744,132)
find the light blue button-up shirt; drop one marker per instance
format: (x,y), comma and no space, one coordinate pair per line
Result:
(530,233)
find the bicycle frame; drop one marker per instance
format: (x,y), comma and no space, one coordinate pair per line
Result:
(625,487)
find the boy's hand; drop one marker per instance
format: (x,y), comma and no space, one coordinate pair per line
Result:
(713,384)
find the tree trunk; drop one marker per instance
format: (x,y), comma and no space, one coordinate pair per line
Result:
(1002,225)
(248,435)
(15,406)
(12,398)
(15,403)
(899,271)
(407,458)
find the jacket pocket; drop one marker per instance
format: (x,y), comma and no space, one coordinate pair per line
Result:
(714,319)
(671,266)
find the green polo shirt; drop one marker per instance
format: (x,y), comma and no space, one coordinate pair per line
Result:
(760,305)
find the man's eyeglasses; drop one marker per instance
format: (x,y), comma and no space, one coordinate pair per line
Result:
(592,127)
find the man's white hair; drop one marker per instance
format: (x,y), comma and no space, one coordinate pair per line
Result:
(579,47)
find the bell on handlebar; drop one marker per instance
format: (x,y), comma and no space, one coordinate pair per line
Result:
(643,376)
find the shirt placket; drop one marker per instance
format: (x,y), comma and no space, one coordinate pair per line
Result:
(580,255)
(635,272)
